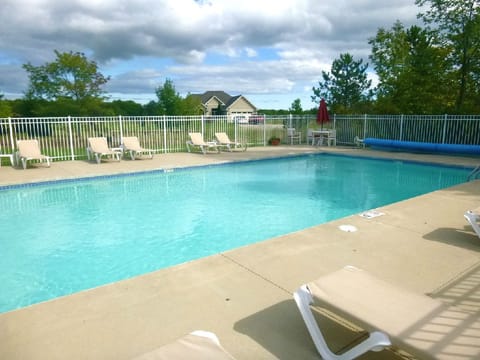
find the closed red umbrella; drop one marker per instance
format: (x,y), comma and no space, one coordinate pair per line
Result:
(322,114)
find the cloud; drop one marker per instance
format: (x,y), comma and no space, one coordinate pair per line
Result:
(201,45)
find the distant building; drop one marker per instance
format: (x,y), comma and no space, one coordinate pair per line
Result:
(221,103)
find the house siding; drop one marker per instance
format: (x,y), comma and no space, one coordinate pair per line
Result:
(241,106)
(211,104)
(233,105)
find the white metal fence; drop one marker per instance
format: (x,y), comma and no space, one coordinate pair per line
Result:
(65,138)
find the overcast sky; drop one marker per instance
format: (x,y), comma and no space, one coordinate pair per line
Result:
(270,51)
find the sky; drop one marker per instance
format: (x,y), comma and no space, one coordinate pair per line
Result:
(270,51)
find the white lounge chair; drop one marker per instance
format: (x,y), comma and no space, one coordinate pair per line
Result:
(422,326)
(199,345)
(224,140)
(473,217)
(30,150)
(98,146)
(196,140)
(131,145)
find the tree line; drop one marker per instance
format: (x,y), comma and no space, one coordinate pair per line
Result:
(433,68)
(429,69)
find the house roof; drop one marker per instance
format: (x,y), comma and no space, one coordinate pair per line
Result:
(222,97)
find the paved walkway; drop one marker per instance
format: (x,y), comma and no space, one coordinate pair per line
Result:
(245,295)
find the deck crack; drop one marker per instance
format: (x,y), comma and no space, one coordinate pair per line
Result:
(256,274)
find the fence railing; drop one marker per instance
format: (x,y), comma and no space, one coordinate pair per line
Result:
(65,138)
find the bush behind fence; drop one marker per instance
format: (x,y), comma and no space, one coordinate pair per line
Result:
(65,138)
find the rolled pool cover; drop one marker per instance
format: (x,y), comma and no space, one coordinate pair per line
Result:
(414,146)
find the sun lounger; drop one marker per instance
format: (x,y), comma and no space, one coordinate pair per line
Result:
(30,150)
(196,140)
(199,345)
(473,217)
(424,327)
(132,146)
(98,146)
(224,140)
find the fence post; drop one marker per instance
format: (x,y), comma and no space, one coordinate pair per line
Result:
(164,134)
(364,126)
(121,127)
(445,118)
(70,137)
(264,130)
(11,133)
(235,126)
(401,127)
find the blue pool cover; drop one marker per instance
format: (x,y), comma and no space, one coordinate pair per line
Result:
(415,146)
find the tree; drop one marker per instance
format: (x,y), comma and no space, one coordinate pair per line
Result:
(191,105)
(126,107)
(411,69)
(5,108)
(458,24)
(347,88)
(151,108)
(168,99)
(70,76)
(296,107)
(389,53)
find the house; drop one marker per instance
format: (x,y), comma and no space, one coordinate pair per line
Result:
(221,103)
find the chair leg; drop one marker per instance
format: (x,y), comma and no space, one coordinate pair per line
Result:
(472,218)
(376,341)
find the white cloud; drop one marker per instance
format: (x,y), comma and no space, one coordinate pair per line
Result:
(201,45)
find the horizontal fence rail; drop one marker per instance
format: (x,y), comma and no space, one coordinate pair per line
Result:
(65,138)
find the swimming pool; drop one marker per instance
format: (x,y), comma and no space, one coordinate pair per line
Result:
(65,237)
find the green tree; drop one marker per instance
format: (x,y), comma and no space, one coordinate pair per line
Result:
(346,88)
(5,108)
(296,107)
(458,24)
(169,101)
(126,107)
(70,76)
(389,54)
(151,108)
(412,71)
(191,105)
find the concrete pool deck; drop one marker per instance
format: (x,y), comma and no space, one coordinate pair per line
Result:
(245,295)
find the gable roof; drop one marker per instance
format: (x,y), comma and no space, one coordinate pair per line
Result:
(222,97)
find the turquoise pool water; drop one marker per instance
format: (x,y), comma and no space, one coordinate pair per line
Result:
(64,237)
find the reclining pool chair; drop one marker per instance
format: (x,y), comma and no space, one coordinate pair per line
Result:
(30,150)
(98,146)
(424,327)
(199,345)
(224,140)
(196,140)
(131,145)
(473,217)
